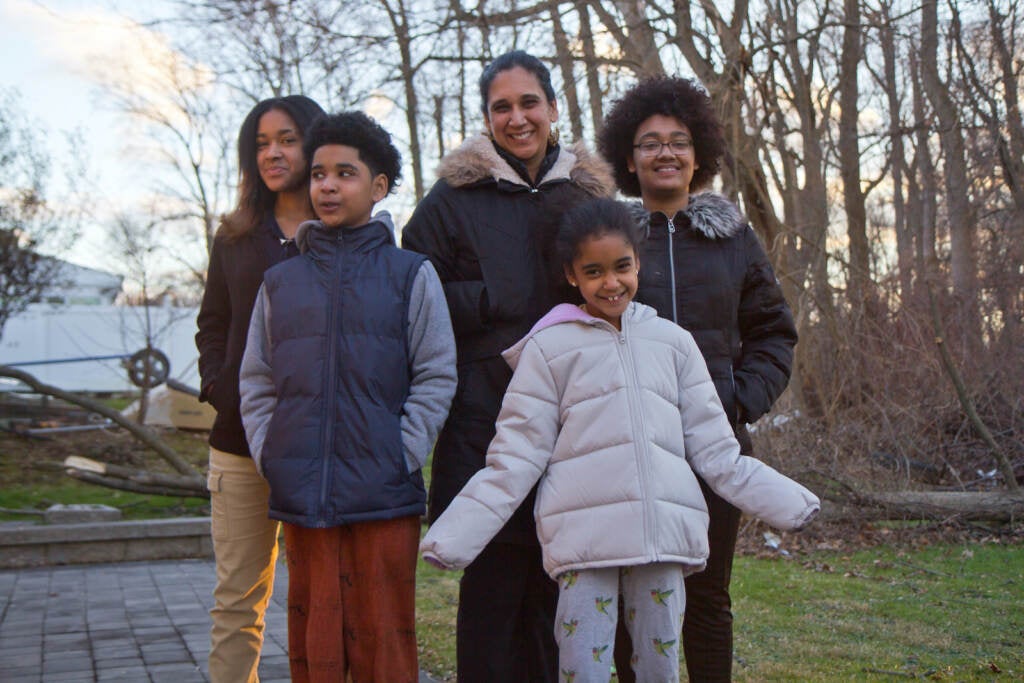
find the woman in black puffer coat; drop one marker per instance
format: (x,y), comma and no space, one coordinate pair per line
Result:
(704,268)
(488,227)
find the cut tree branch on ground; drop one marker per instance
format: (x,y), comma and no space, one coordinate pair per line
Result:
(76,466)
(135,487)
(192,479)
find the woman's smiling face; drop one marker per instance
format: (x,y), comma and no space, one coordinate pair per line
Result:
(519,116)
(664,174)
(279,155)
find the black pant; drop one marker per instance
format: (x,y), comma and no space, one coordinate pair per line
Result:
(506,619)
(707,625)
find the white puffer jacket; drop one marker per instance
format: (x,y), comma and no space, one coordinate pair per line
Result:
(611,423)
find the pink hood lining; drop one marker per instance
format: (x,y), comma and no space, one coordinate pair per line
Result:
(562,313)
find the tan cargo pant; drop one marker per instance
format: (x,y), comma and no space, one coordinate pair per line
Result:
(245,546)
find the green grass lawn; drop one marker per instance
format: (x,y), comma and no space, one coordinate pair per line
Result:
(945,613)
(951,613)
(68,491)
(25,485)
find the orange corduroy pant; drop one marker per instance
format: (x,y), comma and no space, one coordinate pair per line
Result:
(352,602)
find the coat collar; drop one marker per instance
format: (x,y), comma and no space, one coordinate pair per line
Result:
(314,238)
(476,161)
(561,314)
(710,213)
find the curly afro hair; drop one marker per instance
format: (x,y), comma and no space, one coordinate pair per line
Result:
(356,129)
(679,98)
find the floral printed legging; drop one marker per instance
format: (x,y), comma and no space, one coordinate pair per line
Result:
(654,600)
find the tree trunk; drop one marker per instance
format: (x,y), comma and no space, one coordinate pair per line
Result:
(927,209)
(127,479)
(590,65)
(635,38)
(439,123)
(563,56)
(849,160)
(400,25)
(963,259)
(904,236)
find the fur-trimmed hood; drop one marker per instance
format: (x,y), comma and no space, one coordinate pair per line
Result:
(476,160)
(712,214)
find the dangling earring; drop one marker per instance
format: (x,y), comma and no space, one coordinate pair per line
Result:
(488,134)
(572,282)
(553,136)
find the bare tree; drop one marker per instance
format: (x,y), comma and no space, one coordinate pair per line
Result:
(959,212)
(892,87)
(849,156)
(590,63)
(28,221)
(875,147)
(265,48)
(986,59)
(564,58)
(190,131)
(138,247)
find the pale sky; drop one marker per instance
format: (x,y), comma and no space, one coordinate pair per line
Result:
(50,50)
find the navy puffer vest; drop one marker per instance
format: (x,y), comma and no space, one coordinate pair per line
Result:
(339,348)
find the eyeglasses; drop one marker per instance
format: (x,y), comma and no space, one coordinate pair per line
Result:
(652,148)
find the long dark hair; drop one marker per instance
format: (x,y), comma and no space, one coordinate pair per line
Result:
(254,198)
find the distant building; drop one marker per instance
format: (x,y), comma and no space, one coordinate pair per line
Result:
(74,284)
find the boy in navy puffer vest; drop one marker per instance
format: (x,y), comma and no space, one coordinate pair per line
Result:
(347,378)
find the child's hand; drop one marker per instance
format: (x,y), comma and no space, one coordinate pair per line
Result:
(434,561)
(812,512)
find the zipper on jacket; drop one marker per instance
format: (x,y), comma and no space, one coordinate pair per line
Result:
(327,414)
(672,268)
(643,456)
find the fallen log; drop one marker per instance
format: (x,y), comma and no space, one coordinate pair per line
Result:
(994,506)
(76,465)
(134,487)
(140,432)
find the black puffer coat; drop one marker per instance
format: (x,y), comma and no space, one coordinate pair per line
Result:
(490,235)
(706,270)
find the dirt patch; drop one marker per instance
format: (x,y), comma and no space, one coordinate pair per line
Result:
(28,459)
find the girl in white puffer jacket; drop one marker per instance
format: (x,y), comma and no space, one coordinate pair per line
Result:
(609,408)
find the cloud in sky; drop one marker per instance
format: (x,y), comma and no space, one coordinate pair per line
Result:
(107,49)
(65,56)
